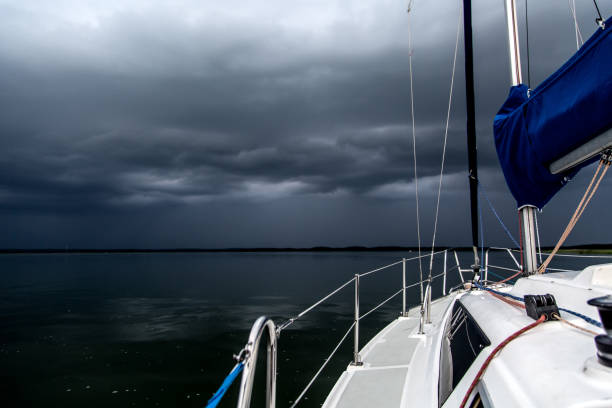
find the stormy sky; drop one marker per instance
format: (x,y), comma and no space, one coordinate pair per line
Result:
(197,123)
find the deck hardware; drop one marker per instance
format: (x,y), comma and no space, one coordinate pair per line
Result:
(537,305)
(444,280)
(404,287)
(425,310)
(249,353)
(603,342)
(356,358)
(606,156)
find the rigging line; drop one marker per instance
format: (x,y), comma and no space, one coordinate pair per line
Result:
(579,40)
(227,382)
(528,53)
(599,20)
(510,277)
(508,301)
(590,332)
(450,101)
(592,192)
(494,353)
(484,194)
(576,215)
(416,178)
(535,213)
(481,231)
(323,366)
(520,225)
(381,304)
(290,321)
(562,309)
(495,274)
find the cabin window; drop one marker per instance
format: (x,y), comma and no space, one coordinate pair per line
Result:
(462,342)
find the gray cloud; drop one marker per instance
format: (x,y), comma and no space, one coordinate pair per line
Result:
(201,115)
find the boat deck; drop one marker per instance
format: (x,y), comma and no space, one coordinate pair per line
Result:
(385,378)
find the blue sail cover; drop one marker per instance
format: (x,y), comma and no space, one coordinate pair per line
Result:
(565,111)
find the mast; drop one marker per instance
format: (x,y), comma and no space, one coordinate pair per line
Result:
(526,212)
(471,128)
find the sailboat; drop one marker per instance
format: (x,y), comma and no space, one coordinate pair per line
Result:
(544,340)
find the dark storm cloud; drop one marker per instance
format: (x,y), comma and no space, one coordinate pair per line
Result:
(108,107)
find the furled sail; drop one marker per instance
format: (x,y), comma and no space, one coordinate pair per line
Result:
(564,112)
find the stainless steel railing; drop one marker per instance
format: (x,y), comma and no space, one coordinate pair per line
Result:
(264,323)
(250,361)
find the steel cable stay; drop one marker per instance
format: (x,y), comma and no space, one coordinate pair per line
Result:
(486,197)
(414,154)
(579,40)
(450,101)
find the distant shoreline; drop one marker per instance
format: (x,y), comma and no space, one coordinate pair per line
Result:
(588,248)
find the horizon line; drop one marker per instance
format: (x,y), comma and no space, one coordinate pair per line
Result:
(352,248)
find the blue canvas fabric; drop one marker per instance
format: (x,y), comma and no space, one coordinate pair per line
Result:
(565,111)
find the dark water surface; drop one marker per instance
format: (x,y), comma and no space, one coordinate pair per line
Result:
(159,329)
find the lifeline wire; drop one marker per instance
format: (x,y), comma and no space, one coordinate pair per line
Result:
(323,366)
(416,178)
(290,321)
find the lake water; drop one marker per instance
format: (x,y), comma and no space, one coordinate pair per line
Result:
(159,329)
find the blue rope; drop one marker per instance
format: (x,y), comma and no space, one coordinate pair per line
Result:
(497,292)
(484,193)
(583,317)
(216,398)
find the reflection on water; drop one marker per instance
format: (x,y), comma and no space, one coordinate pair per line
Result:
(160,329)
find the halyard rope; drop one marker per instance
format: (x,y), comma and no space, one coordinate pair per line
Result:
(588,194)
